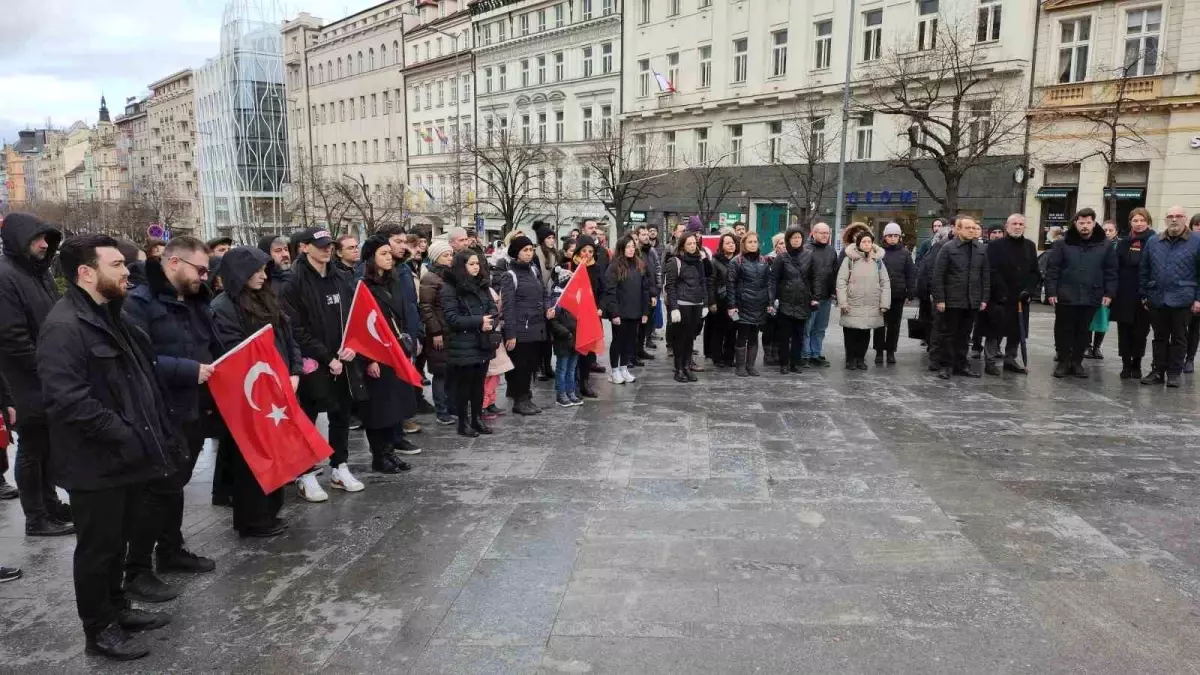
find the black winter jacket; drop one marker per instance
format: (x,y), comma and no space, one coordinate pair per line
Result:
(653,268)
(107,423)
(1082,272)
(685,282)
(925,271)
(825,263)
(1128,303)
(27,294)
(719,282)
(795,283)
(181,333)
(524,298)
(429,301)
(231,324)
(628,298)
(562,329)
(1012,263)
(464,309)
(748,290)
(902,272)
(319,307)
(961,277)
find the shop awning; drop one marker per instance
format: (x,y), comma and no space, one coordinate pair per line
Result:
(1127,193)
(1055,192)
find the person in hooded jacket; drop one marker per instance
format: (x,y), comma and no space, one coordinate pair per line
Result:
(27,294)
(1081,275)
(863,294)
(1012,263)
(961,286)
(747,296)
(687,296)
(247,305)
(1170,287)
(430,303)
(720,333)
(1128,310)
(472,320)
(523,295)
(626,303)
(902,273)
(794,288)
(390,400)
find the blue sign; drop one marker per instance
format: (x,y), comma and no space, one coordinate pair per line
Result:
(479,226)
(882,198)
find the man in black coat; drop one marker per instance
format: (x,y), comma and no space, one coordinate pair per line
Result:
(280,268)
(111,435)
(1012,260)
(825,266)
(653,268)
(961,286)
(404,287)
(902,275)
(27,293)
(172,310)
(1081,275)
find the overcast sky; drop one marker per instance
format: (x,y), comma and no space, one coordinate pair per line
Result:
(58,56)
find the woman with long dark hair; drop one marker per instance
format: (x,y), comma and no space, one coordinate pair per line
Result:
(471,336)
(390,400)
(247,305)
(524,298)
(719,329)
(747,300)
(1128,310)
(686,286)
(626,303)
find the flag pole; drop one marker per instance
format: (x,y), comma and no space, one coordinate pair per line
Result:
(350,314)
(243,343)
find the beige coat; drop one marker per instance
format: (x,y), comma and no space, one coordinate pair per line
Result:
(863,290)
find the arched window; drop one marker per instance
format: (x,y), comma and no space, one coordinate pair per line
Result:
(360,62)
(349,64)
(396,53)
(383,55)
(339,66)
(329,69)
(371,59)
(320,73)
(310,75)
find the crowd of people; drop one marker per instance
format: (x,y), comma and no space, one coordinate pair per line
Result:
(104,377)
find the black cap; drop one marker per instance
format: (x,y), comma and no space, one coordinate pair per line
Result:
(317,236)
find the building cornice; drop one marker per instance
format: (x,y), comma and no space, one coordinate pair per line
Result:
(428,26)
(1055,5)
(568,29)
(434,63)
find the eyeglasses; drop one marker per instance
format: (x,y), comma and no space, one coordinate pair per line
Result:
(200,269)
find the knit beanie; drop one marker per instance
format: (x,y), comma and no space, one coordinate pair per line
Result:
(371,246)
(436,248)
(518,243)
(694,224)
(541,231)
(892,228)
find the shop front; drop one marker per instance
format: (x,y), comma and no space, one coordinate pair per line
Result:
(1058,206)
(877,208)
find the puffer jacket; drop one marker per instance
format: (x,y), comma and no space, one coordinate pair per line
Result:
(795,283)
(1082,272)
(825,264)
(719,282)
(864,291)
(464,309)
(749,288)
(27,294)
(627,298)
(523,296)
(1169,271)
(430,304)
(686,283)
(902,272)
(961,277)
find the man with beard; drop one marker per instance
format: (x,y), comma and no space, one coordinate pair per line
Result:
(27,294)
(111,435)
(172,310)
(279,270)
(961,286)
(653,269)
(404,288)
(1012,261)
(1081,275)
(1170,285)
(824,260)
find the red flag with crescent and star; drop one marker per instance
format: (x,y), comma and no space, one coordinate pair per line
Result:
(370,334)
(578,299)
(253,391)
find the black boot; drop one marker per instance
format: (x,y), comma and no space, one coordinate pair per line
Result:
(1077,370)
(1062,368)
(115,643)
(739,362)
(1135,372)
(147,587)
(878,358)
(464,430)
(783,367)
(691,376)
(891,358)
(45,526)
(680,376)
(1126,368)
(1153,377)
(751,357)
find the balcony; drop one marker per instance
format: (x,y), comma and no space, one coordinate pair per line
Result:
(1101,92)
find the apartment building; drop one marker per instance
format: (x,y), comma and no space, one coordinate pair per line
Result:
(133,146)
(20,162)
(548,72)
(1114,75)
(439,83)
(735,97)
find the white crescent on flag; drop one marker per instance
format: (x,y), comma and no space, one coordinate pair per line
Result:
(373,329)
(260,368)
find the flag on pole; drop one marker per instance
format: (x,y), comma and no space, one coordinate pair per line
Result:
(426,135)
(251,388)
(665,86)
(369,334)
(441,135)
(577,299)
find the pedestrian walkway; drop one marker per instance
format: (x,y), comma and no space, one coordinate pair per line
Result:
(830,522)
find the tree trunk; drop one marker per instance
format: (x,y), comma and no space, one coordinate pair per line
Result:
(951,200)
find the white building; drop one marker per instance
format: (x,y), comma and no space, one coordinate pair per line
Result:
(745,71)
(548,72)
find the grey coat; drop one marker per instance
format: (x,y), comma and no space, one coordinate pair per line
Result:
(863,289)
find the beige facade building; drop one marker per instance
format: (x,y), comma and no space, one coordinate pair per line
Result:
(133,146)
(171,184)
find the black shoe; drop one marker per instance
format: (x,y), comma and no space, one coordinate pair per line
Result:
(1087,353)
(1173,380)
(1097,354)
(137,620)
(425,407)
(851,364)
(1062,370)
(48,527)
(7,491)
(645,355)
(185,561)
(405,447)
(545,377)
(992,370)
(115,643)
(147,587)
(482,428)
(891,358)
(522,407)
(862,364)
(784,368)
(597,368)
(264,532)
(967,372)
(222,500)
(944,374)
(820,362)
(464,430)
(1189,366)
(795,370)
(679,377)
(387,463)
(10,573)
(1013,368)
(1126,370)
(355,424)
(493,409)
(1154,377)
(1078,371)
(879,358)
(586,391)
(691,377)
(59,511)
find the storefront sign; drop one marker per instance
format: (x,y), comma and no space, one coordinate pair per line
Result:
(882,197)
(730,219)
(637,216)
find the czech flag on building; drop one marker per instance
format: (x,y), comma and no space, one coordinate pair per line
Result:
(441,135)
(665,86)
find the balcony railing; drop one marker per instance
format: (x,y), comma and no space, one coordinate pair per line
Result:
(1102,92)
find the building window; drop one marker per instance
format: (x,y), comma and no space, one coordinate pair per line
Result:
(705,54)
(735,144)
(487,80)
(503,77)
(1142,30)
(351,110)
(864,136)
(387,149)
(606,57)
(872,34)
(587,61)
(702,145)
(500,30)
(585,182)
(988,29)
(741,59)
(375,104)
(489,127)
(441,99)
(541,20)
(779,50)
(354,152)
(558,126)
(606,121)
(362,68)
(559,61)
(823,49)
(416,53)
(323,112)
(466,80)
(416,97)
(980,125)
(525,129)
(487,35)
(524,72)
(587,124)
(587,10)
(375,149)
(669,137)
(558,15)
(640,148)
(387,104)
(673,68)
(645,13)
(453,92)
(644,77)
(342,111)
(524,24)
(428,96)
(1075,39)
(816,139)
(339,62)
(774,142)
(927,24)
(541,128)
(558,182)
(370,66)
(439,47)
(606,7)
(541,69)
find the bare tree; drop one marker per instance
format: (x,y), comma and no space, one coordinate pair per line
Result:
(710,185)
(376,207)
(614,158)
(956,109)
(166,206)
(507,170)
(800,155)
(553,195)
(317,197)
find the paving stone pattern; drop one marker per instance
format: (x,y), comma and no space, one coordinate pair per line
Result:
(832,522)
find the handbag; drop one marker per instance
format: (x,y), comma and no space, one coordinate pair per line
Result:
(916,330)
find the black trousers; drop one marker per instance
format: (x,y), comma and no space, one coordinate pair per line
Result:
(468,388)
(525,357)
(789,335)
(956,326)
(1193,337)
(222,473)
(546,367)
(719,335)
(1072,331)
(162,502)
(747,335)
(252,508)
(887,337)
(1131,337)
(1170,338)
(977,332)
(858,340)
(624,345)
(339,425)
(105,520)
(33,471)
(645,330)
(684,335)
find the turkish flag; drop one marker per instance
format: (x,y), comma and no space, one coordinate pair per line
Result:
(252,390)
(5,437)
(369,334)
(577,298)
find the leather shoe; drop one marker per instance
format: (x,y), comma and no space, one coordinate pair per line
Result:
(1173,380)
(265,532)
(136,620)
(185,561)
(1078,371)
(115,643)
(1062,370)
(521,407)
(1154,377)
(991,369)
(645,355)
(48,527)
(597,368)
(482,428)
(464,430)
(60,511)
(147,587)
(7,491)
(1012,368)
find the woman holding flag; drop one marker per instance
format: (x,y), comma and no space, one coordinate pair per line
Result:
(471,336)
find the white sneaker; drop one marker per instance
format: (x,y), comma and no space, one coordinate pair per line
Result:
(627,375)
(310,489)
(344,480)
(617,377)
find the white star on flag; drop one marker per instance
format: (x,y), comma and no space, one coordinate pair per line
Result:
(277,414)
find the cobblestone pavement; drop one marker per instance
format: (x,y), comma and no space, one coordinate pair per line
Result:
(832,522)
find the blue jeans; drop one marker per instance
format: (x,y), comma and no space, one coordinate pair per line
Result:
(443,395)
(814,330)
(565,381)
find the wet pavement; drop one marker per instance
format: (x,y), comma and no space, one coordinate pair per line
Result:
(834,521)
